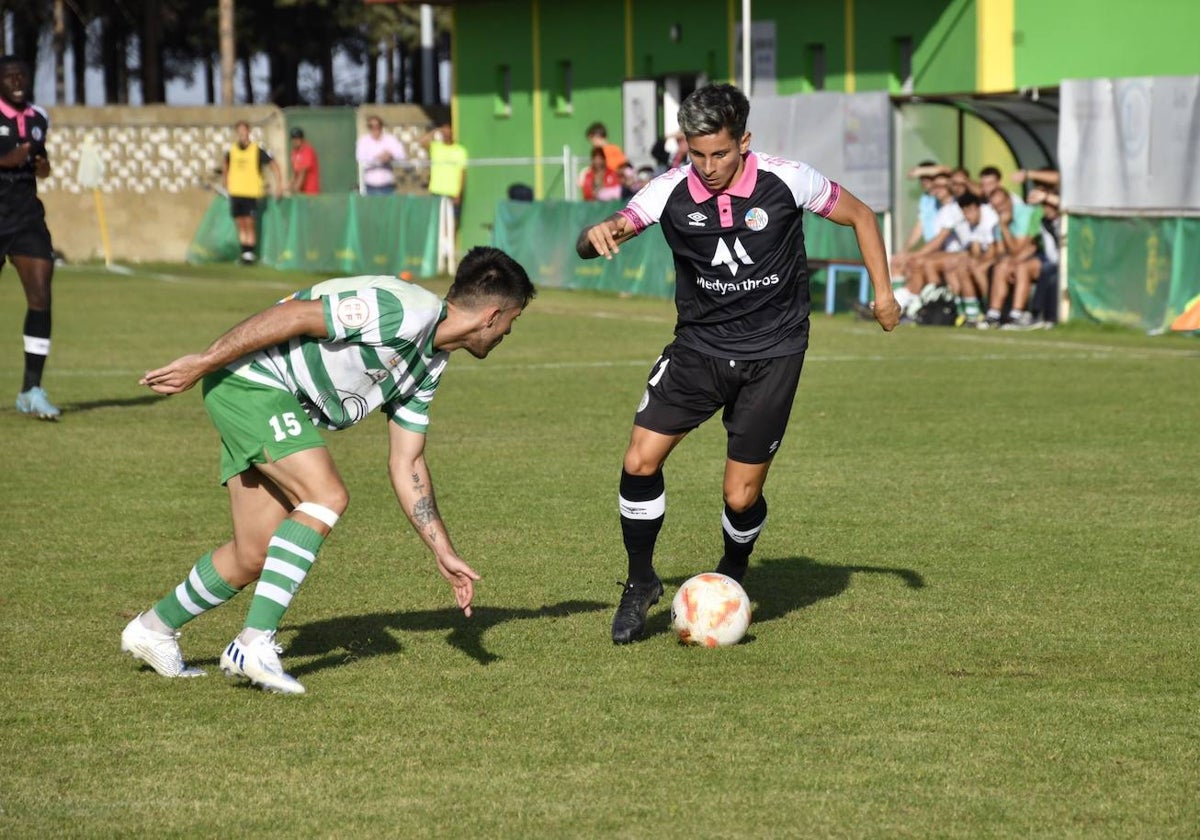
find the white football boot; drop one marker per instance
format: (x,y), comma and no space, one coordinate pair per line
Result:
(158,650)
(259,662)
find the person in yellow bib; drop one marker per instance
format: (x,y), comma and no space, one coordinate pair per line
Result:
(447,165)
(242,175)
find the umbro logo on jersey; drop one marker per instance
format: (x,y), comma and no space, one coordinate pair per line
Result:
(697,219)
(726,258)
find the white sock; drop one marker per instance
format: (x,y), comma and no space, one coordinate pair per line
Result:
(249,634)
(151,621)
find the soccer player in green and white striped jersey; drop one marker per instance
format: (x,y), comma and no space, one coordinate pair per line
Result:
(326,356)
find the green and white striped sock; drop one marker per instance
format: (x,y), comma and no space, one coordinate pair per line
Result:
(290,554)
(202,590)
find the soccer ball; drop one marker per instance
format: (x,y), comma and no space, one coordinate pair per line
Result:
(711,610)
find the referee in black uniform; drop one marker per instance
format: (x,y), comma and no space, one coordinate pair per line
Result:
(733,220)
(24,238)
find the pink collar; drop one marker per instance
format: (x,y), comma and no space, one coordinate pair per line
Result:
(9,111)
(742,189)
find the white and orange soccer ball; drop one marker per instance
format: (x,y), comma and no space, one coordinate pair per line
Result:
(710,609)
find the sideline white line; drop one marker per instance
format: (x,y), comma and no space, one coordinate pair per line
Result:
(1079,355)
(1028,341)
(180,280)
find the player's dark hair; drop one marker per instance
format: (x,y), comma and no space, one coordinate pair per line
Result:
(596,128)
(487,273)
(709,109)
(989,170)
(11,58)
(926,163)
(968,199)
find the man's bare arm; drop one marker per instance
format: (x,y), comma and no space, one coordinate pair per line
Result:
(602,240)
(276,325)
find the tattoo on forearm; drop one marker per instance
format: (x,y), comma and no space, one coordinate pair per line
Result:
(425,511)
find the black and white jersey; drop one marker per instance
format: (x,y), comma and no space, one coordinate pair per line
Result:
(19,204)
(741,276)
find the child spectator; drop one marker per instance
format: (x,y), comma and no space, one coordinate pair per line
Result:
(598,182)
(597,135)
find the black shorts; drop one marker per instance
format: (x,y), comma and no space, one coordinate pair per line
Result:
(239,207)
(33,240)
(686,387)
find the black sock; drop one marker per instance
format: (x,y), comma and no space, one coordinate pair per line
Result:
(37,346)
(643,505)
(741,531)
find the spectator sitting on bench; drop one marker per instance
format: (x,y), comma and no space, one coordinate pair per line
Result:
(925,228)
(1034,265)
(967,275)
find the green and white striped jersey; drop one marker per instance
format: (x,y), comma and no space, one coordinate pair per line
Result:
(379,353)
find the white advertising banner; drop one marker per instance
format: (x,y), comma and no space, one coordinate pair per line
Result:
(845,136)
(1130,144)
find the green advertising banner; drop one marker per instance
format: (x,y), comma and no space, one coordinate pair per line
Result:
(541,236)
(1139,272)
(345,233)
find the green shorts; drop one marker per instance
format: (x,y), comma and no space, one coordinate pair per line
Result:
(257,424)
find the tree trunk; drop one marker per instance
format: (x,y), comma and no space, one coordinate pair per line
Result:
(228,48)
(403,73)
(416,74)
(112,59)
(247,78)
(210,82)
(153,87)
(60,53)
(284,73)
(389,69)
(77,32)
(327,90)
(372,72)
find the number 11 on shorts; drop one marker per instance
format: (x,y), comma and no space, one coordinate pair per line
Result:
(285,425)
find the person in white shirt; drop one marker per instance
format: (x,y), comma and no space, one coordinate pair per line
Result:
(377,153)
(982,242)
(916,262)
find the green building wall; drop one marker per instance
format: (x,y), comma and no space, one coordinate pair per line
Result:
(631,39)
(1082,39)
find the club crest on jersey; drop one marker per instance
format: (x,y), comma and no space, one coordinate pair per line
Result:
(756,218)
(696,219)
(726,258)
(36,134)
(353,312)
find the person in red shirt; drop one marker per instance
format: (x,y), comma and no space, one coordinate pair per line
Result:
(306,170)
(598,182)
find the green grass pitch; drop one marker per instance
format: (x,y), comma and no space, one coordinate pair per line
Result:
(976,600)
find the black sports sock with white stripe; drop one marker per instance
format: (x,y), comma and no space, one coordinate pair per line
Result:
(643,504)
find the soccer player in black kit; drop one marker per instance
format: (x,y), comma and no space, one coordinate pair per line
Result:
(24,238)
(733,220)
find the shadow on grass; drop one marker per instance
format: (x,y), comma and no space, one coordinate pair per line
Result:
(781,585)
(75,408)
(337,641)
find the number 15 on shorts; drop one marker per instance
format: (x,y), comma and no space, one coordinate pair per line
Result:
(285,425)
